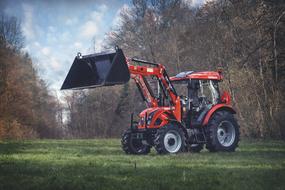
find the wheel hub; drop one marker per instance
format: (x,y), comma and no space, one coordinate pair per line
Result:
(226,133)
(172,141)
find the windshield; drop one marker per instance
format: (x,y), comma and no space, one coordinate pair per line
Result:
(206,89)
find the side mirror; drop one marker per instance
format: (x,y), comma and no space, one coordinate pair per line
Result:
(226,98)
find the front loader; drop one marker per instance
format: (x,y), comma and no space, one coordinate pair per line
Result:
(172,122)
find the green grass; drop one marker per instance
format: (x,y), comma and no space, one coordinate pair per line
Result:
(101,164)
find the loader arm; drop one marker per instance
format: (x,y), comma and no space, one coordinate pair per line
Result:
(138,73)
(146,93)
(157,70)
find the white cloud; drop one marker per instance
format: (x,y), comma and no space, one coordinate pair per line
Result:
(89,29)
(95,19)
(71,21)
(77,45)
(37,44)
(197,3)
(55,64)
(66,37)
(51,29)
(28,26)
(45,51)
(103,8)
(51,38)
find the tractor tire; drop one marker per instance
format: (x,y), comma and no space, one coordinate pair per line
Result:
(170,139)
(222,132)
(133,146)
(196,148)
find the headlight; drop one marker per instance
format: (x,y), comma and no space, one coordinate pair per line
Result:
(149,118)
(141,121)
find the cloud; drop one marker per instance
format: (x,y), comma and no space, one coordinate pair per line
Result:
(103,8)
(55,64)
(45,51)
(89,29)
(71,21)
(95,19)
(77,45)
(51,29)
(27,26)
(66,37)
(196,3)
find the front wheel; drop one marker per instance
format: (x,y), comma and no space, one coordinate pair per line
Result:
(170,139)
(132,145)
(222,132)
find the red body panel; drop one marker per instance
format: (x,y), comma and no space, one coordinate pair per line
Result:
(161,113)
(165,114)
(202,75)
(214,109)
(226,98)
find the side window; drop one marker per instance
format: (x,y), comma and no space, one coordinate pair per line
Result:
(209,91)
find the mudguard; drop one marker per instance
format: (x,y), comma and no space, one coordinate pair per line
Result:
(216,108)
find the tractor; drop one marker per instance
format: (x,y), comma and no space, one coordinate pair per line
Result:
(184,112)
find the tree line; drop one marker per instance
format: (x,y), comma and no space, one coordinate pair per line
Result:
(243,38)
(27,108)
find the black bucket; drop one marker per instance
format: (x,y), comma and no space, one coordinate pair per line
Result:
(95,70)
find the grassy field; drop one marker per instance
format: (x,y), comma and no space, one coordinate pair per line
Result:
(101,164)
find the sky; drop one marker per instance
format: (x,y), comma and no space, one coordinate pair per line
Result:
(56,30)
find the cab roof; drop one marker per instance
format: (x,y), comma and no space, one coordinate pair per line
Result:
(199,75)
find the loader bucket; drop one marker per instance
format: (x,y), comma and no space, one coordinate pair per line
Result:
(95,70)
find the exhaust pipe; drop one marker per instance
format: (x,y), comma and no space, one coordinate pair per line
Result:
(96,70)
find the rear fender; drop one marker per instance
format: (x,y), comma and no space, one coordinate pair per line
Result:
(218,107)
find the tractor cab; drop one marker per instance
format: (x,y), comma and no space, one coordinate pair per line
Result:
(199,92)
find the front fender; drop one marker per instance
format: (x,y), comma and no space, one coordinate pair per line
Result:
(218,107)
(163,116)
(159,117)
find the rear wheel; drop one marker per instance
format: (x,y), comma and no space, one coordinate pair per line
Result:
(132,145)
(170,139)
(222,132)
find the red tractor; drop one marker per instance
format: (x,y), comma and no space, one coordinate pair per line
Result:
(184,112)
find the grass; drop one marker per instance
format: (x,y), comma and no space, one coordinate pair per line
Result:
(101,164)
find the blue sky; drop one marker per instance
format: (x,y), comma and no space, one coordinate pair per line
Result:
(56,30)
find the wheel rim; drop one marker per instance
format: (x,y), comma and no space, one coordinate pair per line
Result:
(226,133)
(172,141)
